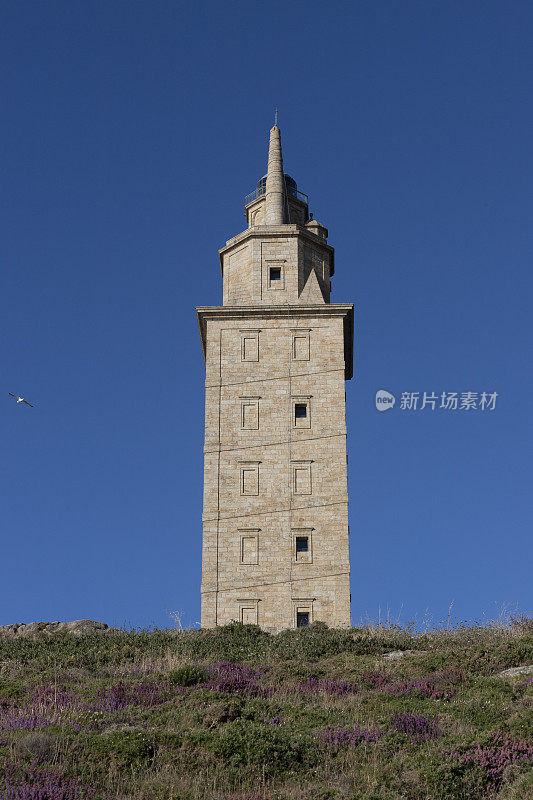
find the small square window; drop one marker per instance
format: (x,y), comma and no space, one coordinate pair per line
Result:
(249,549)
(249,615)
(301,478)
(249,345)
(249,414)
(302,483)
(303,612)
(249,479)
(275,275)
(302,547)
(300,346)
(300,411)
(249,348)
(248,611)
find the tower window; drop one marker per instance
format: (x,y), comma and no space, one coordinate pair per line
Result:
(249,349)
(300,345)
(303,612)
(249,547)
(249,481)
(300,411)
(249,615)
(301,477)
(249,413)
(249,345)
(274,272)
(248,611)
(249,478)
(302,546)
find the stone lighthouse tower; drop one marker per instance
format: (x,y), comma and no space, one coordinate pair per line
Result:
(277,354)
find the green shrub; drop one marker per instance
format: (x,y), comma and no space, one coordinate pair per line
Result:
(188,675)
(484,658)
(11,689)
(273,749)
(120,748)
(446,779)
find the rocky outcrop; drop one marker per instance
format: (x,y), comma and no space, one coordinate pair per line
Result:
(394,655)
(512,672)
(78,627)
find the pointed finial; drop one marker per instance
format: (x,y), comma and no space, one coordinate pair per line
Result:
(275,117)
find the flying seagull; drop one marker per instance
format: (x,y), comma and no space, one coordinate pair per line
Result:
(20,399)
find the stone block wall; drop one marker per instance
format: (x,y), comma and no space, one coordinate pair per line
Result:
(272,476)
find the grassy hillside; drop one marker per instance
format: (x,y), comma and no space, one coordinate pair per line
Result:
(237,713)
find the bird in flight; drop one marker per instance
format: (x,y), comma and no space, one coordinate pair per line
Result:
(20,399)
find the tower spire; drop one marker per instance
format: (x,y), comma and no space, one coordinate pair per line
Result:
(275,182)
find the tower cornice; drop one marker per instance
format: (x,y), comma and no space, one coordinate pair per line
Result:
(274,232)
(289,312)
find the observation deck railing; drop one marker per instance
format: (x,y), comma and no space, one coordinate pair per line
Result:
(261,190)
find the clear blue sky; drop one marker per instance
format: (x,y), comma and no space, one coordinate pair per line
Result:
(131,132)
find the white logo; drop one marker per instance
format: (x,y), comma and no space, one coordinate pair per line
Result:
(384,400)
